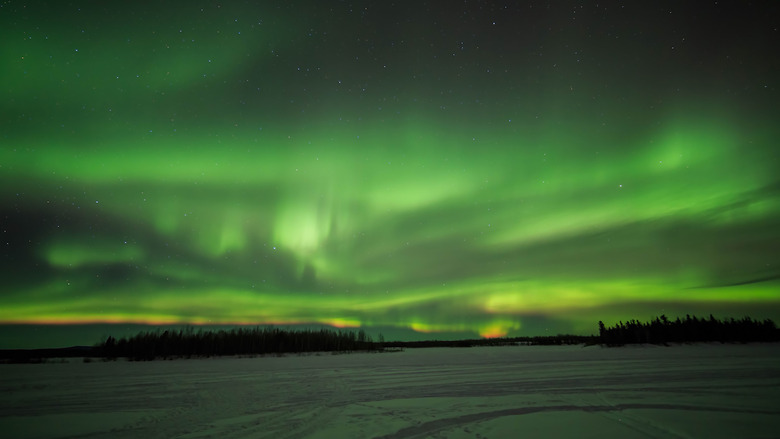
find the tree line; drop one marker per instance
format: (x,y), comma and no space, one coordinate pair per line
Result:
(238,341)
(186,343)
(691,329)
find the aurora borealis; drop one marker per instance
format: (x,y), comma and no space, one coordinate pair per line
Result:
(432,168)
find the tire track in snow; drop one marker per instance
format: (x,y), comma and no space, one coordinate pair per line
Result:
(317,415)
(428,428)
(636,423)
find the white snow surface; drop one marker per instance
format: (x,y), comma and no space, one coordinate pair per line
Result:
(690,391)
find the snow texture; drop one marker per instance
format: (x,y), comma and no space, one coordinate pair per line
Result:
(697,391)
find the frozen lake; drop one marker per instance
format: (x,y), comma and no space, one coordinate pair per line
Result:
(700,391)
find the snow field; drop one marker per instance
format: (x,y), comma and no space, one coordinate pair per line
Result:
(696,391)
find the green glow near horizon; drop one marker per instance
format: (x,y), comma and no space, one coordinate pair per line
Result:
(224,166)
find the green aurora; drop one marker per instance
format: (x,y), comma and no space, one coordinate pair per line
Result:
(431,170)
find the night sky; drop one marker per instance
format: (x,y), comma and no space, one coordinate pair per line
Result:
(424,169)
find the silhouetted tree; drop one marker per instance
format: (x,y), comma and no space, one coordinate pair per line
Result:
(239,341)
(692,329)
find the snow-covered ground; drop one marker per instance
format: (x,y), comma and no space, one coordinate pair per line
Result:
(699,391)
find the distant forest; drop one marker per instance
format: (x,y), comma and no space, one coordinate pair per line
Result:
(187,343)
(691,329)
(269,340)
(238,341)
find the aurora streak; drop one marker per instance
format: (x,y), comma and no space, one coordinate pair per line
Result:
(448,169)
